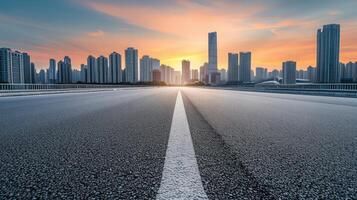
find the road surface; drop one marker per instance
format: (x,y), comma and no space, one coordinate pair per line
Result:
(165,143)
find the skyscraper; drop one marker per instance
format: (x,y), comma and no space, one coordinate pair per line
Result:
(204,73)
(102,64)
(115,70)
(232,67)
(260,74)
(64,71)
(27,68)
(186,71)
(212,54)
(146,67)
(245,66)
(52,72)
(92,72)
(328,54)
(83,72)
(12,66)
(131,65)
(289,72)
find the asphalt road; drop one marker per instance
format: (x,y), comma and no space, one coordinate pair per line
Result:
(112,144)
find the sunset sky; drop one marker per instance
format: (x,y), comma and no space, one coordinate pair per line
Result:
(172,30)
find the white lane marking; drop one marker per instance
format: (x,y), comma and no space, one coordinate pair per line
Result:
(180,178)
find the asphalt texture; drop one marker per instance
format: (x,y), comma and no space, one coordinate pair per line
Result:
(274,146)
(112,144)
(104,145)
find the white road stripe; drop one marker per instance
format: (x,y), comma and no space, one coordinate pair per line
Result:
(181,178)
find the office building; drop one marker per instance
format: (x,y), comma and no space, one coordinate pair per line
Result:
(131,65)
(328,54)
(223,75)
(83,78)
(212,54)
(92,71)
(52,72)
(232,67)
(204,73)
(186,71)
(115,69)
(245,66)
(289,72)
(27,68)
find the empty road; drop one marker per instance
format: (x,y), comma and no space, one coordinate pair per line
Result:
(178,143)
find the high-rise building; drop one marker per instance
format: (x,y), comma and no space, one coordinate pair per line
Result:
(260,74)
(232,67)
(76,76)
(349,71)
(42,77)
(354,72)
(185,72)
(212,54)
(102,64)
(115,70)
(204,73)
(11,66)
(131,65)
(311,73)
(64,71)
(92,71)
(289,72)
(194,74)
(156,75)
(146,67)
(167,74)
(245,66)
(328,54)
(155,63)
(33,73)
(52,72)
(83,72)
(177,78)
(27,68)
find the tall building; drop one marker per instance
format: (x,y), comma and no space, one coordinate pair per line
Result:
(64,71)
(156,75)
(245,66)
(83,72)
(11,66)
(328,54)
(311,74)
(354,72)
(146,67)
(232,67)
(102,65)
(115,70)
(42,77)
(212,54)
(76,76)
(194,74)
(155,63)
(177,78)
(260,74)
(27,68)
(92,72)
(185,72)
(289,72)
(52,72)
(167,74)
(33,73)
(131,65)
(204,73)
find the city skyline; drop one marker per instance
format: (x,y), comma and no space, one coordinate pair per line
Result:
(273,32)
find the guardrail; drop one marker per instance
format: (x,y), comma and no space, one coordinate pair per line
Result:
(32,87)
(320,87)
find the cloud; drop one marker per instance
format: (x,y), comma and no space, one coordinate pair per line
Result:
(97,33)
